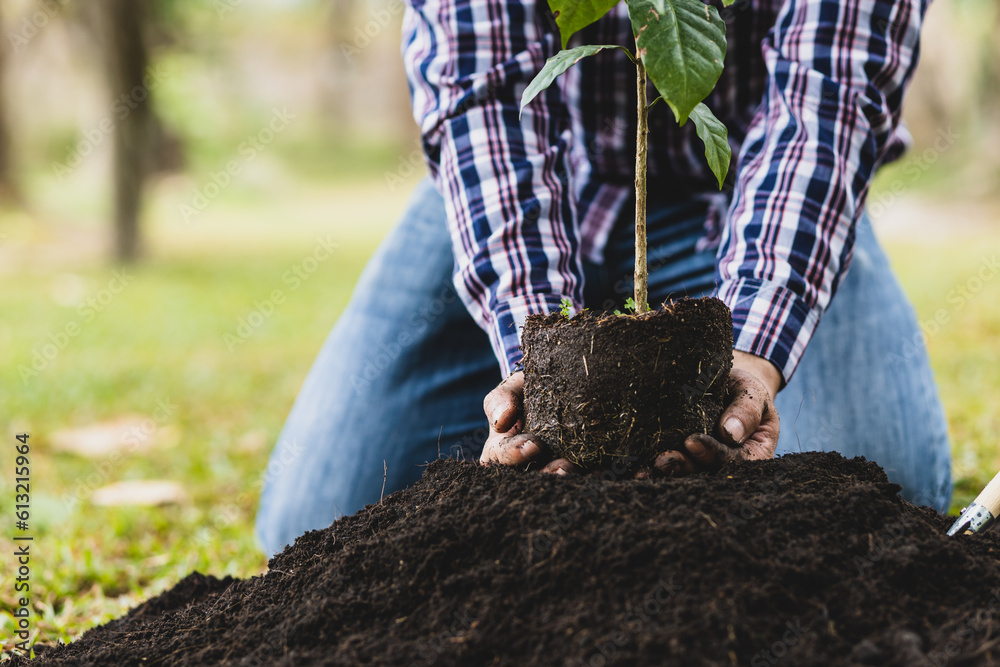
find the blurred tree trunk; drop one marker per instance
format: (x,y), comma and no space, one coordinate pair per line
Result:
(8,188)
(341,64)
(991,95)
(126,56)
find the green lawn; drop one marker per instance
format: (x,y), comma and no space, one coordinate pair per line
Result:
(167,339)
(960,313)
(159,349)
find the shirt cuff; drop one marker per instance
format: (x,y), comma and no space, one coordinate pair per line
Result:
(508,321)
(769,321)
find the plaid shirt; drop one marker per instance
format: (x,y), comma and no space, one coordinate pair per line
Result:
(811,96)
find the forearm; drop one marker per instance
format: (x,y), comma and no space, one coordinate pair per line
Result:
(837,72)
(501,172)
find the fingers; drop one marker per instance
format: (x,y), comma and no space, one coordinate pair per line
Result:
(747,429)
(504,405)
(761,445)
(506,445)
(562,467)
(513,450)
(749,402)
(703,452)
(709,452)
(674,464)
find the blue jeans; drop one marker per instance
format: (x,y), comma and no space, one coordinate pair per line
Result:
(401,379)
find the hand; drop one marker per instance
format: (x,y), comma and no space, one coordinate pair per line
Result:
(506,444)
(748,427)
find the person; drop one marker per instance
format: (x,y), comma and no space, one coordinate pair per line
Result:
(521,212)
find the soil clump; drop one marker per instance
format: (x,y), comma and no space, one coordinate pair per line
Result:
(605,389)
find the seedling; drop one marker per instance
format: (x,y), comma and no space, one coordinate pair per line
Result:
(598,389)
(680,45)
(629,306)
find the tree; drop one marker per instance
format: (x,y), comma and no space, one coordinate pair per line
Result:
(121,26)
(990,97)
(8,189)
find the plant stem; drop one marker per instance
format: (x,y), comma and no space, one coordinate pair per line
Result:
(641,272)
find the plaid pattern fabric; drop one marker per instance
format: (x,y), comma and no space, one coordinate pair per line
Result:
(811,94)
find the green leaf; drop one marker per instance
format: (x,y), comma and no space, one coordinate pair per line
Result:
(682,44)
(558,64)
(574,15)
(713,132)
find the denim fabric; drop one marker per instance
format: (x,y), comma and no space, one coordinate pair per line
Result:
(400,383)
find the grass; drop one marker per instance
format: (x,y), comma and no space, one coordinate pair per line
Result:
(168,347)
(959,314)
(162,340)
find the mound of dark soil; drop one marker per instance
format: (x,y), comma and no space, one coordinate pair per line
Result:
(808,560)
(600,389)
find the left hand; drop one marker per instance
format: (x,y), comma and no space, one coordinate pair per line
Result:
(747,429)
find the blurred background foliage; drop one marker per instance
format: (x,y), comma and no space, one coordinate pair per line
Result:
(205,209)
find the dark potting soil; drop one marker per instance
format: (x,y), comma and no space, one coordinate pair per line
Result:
(807,560)
(605,388)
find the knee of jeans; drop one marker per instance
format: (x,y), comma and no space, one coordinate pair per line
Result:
(936,488)
(276,526)
(925,477)
(937,495)
(267,525)
(943,502)
(276,515)
(264,531)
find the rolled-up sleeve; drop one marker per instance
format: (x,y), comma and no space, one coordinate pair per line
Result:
(837,72)
(506,189)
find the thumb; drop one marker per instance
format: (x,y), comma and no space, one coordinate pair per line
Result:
(748,402)
(505,404)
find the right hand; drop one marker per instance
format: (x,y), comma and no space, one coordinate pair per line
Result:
(506,444)
(748,428)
